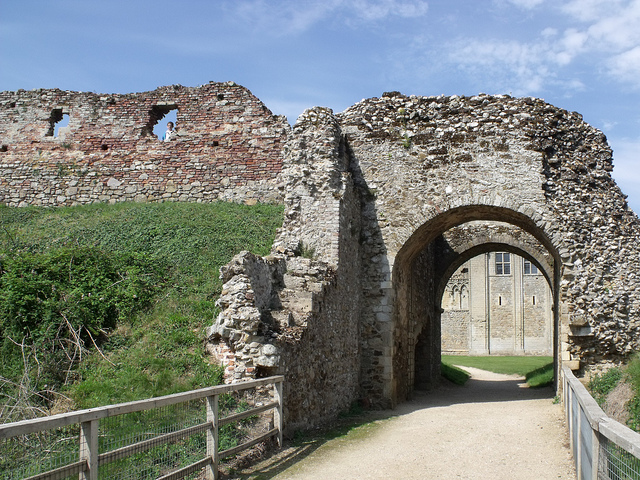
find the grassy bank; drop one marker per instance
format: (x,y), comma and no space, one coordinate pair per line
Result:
(129,289)
(538,371)
(600,386)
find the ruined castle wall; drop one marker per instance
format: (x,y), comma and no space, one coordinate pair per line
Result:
(323,208)
(309,328)
(228,147)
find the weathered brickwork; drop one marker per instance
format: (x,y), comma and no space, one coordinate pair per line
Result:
(228,147)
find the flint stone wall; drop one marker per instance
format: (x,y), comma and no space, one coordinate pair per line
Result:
(434,162)
(295,316)
(228,147)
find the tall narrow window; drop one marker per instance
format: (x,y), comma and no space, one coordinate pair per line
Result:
(503,263)
(58,124)
(464,298)
(530,268)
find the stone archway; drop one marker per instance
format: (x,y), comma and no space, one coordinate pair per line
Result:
(422,269)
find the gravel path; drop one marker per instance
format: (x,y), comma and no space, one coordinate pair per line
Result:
(492,428)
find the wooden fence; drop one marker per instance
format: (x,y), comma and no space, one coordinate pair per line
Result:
(91,457)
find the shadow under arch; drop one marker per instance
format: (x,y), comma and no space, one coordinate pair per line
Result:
(420,272)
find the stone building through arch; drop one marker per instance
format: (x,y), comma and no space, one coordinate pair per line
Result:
(506,313)
(425,264)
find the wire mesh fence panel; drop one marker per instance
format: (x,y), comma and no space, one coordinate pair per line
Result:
(166,436)
(28,455)
(236,433)
(151,454)
(157,461)
(615,463)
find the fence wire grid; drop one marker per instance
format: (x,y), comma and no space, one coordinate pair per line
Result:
(616,463)
(141,444)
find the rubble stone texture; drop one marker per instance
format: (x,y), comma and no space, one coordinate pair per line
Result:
(376,203)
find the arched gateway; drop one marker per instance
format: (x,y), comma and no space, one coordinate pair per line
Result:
(394,194)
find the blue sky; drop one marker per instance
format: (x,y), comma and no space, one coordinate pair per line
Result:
(582,55)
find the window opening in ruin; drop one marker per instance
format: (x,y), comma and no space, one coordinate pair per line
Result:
(530,268)
(503,263)
(534,300)
(159,116)
(464,298)
(499,300)
(58,123)
(4,148)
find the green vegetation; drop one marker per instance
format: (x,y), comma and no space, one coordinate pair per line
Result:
(453,373)
(601,385)
(538,371)
(107,303)
(540,377)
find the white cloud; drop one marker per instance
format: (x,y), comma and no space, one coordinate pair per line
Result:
(626,171)
(297,17)
(526,4)
(626,66)
(519,67)
(589,10)
(606,33)
(379,9)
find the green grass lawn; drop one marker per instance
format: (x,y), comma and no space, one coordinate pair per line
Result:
(538,371)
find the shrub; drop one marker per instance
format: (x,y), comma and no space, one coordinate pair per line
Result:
(600,385)
(54,303)
(454,374)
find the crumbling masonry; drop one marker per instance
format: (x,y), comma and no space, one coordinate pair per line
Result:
(376,198)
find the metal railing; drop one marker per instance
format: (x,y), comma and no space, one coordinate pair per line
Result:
(175,436)
(603,449)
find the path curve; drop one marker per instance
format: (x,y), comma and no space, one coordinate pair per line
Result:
(493,428)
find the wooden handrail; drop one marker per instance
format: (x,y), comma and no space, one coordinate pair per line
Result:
(88,420)
(24,427)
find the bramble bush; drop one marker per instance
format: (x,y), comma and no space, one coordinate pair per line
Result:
(53,303)
(157,266)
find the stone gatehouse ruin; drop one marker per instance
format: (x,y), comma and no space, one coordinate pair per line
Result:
(383,203)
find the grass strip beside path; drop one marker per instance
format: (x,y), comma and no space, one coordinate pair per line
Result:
(538,370)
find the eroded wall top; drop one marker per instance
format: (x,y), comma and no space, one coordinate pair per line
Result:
(228,146)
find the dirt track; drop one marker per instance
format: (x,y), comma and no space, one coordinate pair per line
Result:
(492,428)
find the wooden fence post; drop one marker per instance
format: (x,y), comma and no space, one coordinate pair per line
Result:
(89,449)
(277,412)
(212,437)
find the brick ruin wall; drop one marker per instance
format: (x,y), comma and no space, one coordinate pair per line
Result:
(228,147)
